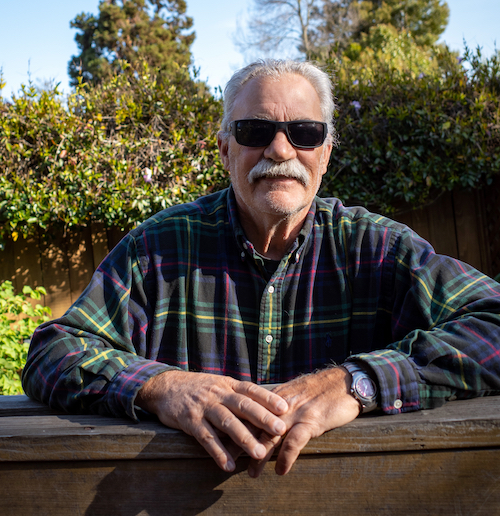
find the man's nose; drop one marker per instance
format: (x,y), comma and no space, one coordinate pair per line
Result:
(280,149)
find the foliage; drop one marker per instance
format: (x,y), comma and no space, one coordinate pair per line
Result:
(407,139)
(392,50)
(116,153)
(318,27)
(131,30)
(18,320)
(425,20)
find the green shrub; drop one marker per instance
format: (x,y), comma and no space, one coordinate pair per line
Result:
(115,153)
(18,320)
(121,151)
(409,139)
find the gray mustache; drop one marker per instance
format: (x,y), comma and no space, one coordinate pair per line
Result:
(269,168)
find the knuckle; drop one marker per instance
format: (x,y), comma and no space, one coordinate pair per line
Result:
(245,405)
(226,422)
(205,439)
(246,439)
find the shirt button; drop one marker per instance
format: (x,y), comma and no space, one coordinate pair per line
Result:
(245,246)
(243,254)
(398,404)
(270,289)
(269,339)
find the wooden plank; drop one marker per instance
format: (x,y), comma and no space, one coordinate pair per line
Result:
(114,236)
(467,229)
(417,220)
(458,425)
(462,482)
(442,227)
(27,263)
(7,262)
(99,243)
(55,271)
(80,260)
(21,405)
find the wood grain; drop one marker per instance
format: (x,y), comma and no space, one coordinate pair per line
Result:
(443,461)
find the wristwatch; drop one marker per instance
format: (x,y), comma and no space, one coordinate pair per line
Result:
(363,388)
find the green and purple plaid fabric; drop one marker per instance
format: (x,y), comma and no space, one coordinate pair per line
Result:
(187,290)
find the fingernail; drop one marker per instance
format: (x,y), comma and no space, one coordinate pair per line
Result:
(229,466)
(251,472)
(259,451)
(279,427)
(282,406)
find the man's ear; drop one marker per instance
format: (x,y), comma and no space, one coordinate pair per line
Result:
(327,152)
(223,144)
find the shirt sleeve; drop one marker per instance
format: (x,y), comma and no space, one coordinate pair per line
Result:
(87,361)
(445,322)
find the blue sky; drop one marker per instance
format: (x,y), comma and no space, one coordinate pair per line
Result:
(36,41)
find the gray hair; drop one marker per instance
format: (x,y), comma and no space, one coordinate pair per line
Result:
(275,69)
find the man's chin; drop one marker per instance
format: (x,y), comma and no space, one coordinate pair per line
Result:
(281,202)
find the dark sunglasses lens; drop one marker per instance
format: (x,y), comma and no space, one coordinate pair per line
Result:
(306,134)
(254,133)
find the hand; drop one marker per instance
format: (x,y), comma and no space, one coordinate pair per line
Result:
(317,403)
(202,404)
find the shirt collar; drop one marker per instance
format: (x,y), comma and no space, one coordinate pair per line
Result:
(246,247)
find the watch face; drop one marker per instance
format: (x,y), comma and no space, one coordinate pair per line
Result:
(365,388)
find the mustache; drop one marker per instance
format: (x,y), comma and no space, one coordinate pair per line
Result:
(269,168)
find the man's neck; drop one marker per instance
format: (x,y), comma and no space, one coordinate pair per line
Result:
(272,236)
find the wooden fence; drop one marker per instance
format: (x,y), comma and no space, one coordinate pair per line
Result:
(462,224)
(444,461)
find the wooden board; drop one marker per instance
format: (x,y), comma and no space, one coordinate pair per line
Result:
(435,483)
(55,273)
(445,461)
(80,260)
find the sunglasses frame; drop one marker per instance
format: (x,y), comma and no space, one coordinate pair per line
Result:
(277,127)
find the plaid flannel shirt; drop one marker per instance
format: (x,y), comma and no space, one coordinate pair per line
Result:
(187,290)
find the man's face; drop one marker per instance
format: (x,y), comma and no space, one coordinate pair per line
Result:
(290,98)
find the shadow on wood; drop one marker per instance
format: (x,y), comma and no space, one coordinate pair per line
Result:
(445,461)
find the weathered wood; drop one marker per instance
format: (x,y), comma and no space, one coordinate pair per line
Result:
(473,423)
(445,461)
(435,483)
(80,260)
(55,273)
(99,243)
(469,232)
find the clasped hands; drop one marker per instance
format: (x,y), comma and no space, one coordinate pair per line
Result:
(227,416)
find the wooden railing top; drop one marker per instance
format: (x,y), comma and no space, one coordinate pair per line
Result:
(30,431)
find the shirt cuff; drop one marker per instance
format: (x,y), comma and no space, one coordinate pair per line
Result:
(125,386)
(399,386)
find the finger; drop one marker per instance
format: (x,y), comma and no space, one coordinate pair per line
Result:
(207,436)
(264,397)
(296,439)
(224,419)
(243,406)
(256,467)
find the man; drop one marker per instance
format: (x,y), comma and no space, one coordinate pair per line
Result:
(264,283)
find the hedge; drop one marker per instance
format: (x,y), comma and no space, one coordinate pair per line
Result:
(119,152)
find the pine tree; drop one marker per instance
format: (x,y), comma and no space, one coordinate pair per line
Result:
(155,31)
(348,21)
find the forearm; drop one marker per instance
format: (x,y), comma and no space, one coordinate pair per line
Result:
(76,372)
(459,359)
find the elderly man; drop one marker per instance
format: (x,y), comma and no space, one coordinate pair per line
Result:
(265,283)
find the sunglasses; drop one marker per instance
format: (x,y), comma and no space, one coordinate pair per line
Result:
(253,132)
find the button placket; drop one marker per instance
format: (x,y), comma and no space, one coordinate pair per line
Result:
(269,328)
